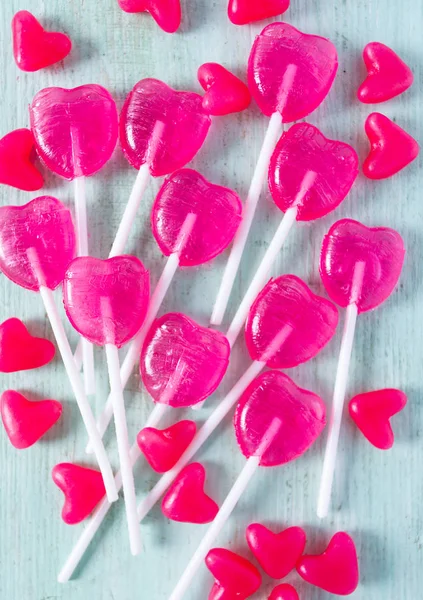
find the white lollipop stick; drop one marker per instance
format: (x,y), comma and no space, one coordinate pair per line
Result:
(74,377)
(77,355)
(225,512)
(339,394)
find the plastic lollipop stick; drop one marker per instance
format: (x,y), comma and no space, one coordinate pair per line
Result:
(77,355)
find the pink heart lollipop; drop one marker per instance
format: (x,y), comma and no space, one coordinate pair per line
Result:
(217,211)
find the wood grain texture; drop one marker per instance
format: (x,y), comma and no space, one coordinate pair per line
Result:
(378,496)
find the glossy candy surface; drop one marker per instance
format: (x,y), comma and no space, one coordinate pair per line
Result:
(166,13)
(241,12)
(19,350)
(163,448)
(181,362)
(44,224)
(284,591)
(348,243)
(225,93)
(236,577)
(17,153)
(106,300)
(217,210)
(290,72)
(75,130)
(162,127)
(303,151)
(273,395)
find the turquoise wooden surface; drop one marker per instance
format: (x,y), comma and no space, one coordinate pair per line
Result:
(378,496)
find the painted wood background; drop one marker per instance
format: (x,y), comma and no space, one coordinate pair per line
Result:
(378,496)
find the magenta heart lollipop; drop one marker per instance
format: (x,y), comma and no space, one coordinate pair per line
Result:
(217,211)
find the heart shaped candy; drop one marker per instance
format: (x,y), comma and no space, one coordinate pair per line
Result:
(218,214)
(277,553)
(163,448)
(349,243)
(35,48)
(225,93)
(336,570)
(371,413)
(19,350)
(391,148)
(44,225)
(235,576)
(387,75)
(182,363)
(162,127)
(185,501)
(287,303)
(83,489)
(284,591)
(75,130)
(304,152)
(290,72)
(273,395)
(241,12)
(106,300)
(26,422)
(166,13)
(17,152)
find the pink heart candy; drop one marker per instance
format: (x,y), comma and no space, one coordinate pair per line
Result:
(379,249)
(290,72)
(106,300)
(288,303)
(301,415)
(19,350)
(304,153)
(284,591)
(241,12)
(83,489)
(44,225)
(236,578)
(75,130)
(163,448)
(225,93)
(217,210)
(181,362)
(161,127)
(17,153)
(166,13)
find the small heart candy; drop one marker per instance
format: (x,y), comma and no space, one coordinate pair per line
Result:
(83,489)
(241,12)
(225,93)
(35,48)
(26,422)
(163,448)
(236,577)
(371,413)
(185,501)
(277,553)
(166,13)
(336,570)
(284,591)
(106,300)
(17,151)
(388,76)
(391,148)
(20,351)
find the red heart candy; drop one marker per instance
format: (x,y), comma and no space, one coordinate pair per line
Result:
(26,422)
(163,448)
(185,501)
(17,151)
(19,350)
(371,413)
(336,569)
(83,489)
(391,148)
(166,13)
(236,577)
(225,93)
(284,592)
(277,553)
(388,76)
(241,12)
(35,48)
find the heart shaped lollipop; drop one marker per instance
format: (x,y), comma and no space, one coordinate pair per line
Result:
(19,350)
(235,576)
(26,422)
(163,449)
(241,12)
(166,13)
(387,75)
(106,300)
(225,93)
(183,127)
(83,489)
(44,224)
(290,72)
(75,130)
(381,250)
(17,152)
(217,210)
(371,412)
(35,48)
(304,150)
(177,344)
(285,591)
